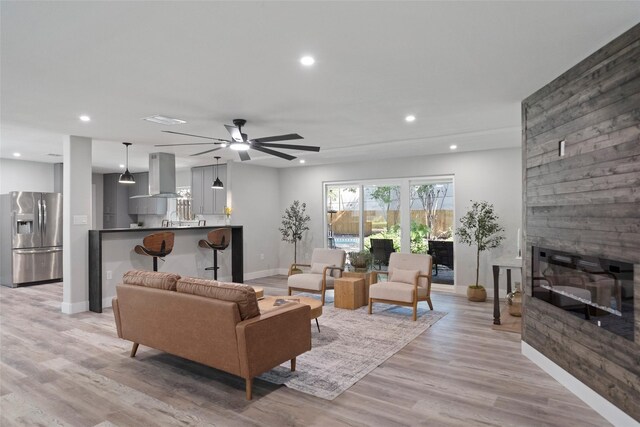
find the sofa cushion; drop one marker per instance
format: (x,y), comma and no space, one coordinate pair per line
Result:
(151,279)
(243,295)
(403,276)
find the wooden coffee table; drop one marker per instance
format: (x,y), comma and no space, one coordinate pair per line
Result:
(267,304)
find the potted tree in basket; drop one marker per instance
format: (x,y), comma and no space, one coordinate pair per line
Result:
(479,226)
(294,224)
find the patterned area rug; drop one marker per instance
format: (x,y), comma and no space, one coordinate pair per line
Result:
(350,344)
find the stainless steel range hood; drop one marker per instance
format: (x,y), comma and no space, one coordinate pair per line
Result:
(162,176)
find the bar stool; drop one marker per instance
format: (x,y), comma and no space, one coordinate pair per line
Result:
(157,245)
(218,240)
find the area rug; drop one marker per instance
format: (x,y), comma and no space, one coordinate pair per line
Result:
(350,344)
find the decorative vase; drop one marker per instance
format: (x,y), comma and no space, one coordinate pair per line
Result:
(478,294)
(514,300)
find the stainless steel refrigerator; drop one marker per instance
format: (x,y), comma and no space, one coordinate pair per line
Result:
(30,238)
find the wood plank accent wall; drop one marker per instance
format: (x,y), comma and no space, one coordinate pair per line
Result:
(587,202)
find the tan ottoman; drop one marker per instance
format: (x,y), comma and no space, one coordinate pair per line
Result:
(349,293)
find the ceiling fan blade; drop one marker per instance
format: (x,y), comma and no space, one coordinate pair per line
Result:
(192,143)
(288,146)
(273,152)
(196,136)
(208,151)
(235,133)
(286,137)
(244,155)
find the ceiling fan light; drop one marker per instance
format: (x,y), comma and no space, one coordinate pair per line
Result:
(239,146)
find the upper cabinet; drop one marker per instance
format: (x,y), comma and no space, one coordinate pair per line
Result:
(145,205)
(206,200)
(115,203)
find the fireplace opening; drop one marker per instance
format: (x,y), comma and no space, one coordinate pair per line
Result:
(598,290)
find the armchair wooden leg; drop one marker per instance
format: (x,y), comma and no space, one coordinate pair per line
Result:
(323,297)
(289,291)
(415,310)
(293,364)
(249,385)
(429,302)
(134,349)
(370,305)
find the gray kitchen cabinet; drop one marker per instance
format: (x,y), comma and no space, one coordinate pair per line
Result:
(206,200)
(115,203)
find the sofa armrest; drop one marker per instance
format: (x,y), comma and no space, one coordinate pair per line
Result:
(116,314)
(272,338)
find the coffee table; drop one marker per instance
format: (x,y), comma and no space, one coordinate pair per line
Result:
(266,304)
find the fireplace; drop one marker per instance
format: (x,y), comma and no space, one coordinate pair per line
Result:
(598,290)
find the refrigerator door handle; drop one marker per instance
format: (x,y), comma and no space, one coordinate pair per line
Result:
(39,214)
(44,217)
(36,251)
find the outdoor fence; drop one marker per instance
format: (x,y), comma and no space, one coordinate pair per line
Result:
(348,222)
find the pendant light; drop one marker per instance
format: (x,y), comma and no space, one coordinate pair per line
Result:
(127,177)
(217,184)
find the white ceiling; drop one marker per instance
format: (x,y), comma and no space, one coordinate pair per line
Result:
(461,68)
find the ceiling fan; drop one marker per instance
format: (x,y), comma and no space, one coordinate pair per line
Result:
(241,143)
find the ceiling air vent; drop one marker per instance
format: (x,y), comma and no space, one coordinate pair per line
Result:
(164,120)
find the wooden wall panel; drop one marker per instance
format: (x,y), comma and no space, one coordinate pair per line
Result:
(586,202)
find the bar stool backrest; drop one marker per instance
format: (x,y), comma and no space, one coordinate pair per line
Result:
(159,244)
(219,238)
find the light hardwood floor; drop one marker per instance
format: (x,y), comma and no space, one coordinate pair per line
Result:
(58,369)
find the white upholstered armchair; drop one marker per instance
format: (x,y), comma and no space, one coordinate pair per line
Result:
(326,264)
(408,281)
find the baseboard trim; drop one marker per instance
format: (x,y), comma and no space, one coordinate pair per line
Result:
(74,307)
(608,410)
(262,273)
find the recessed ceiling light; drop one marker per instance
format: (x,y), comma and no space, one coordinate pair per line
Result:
(85,118)
(307,61)
(17,154)
(164,120)
(453,147)
(303,161)
(121,166)
(410,118)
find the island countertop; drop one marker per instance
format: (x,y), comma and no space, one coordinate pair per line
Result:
(111,254)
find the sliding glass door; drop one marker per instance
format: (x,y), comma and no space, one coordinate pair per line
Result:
(343,217)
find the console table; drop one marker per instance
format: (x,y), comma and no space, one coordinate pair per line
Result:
(507,263)
(111,255)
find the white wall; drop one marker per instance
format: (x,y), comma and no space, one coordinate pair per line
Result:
(254,199)
(21,175)
(494,176)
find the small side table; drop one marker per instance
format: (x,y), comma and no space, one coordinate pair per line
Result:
(507,263)
(349,293)
(367,281)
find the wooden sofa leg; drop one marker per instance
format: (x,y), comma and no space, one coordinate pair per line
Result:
(370,305)
(134,349)
(293,364)
(249,386)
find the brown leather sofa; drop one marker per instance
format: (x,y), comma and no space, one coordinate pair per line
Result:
(213,323)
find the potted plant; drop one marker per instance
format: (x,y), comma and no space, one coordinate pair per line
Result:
(479,226)
(360,260)
(294,224)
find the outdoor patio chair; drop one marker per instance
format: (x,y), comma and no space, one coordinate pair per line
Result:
(381,249)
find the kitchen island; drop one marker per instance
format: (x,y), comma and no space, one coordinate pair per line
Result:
(111,254)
